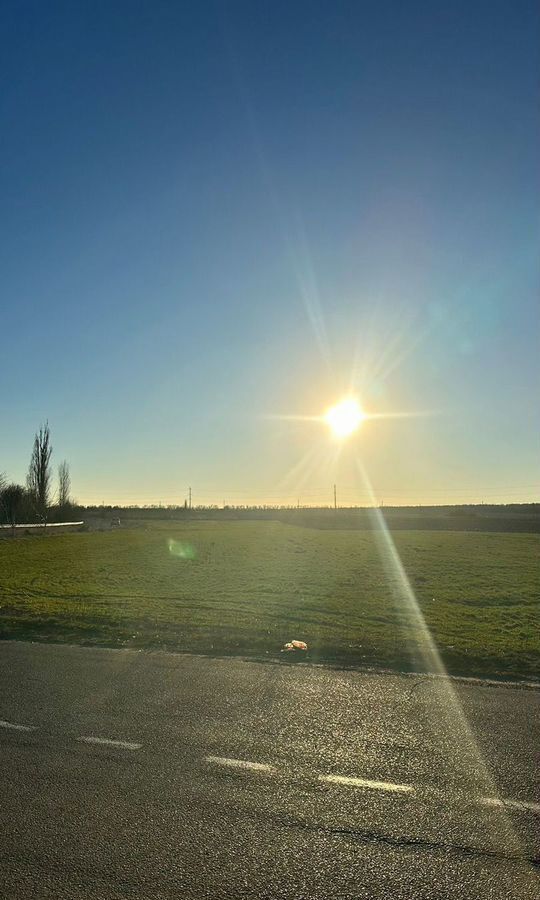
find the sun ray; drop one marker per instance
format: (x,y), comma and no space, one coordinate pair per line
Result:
(298,474)
(364,416)
(425,654)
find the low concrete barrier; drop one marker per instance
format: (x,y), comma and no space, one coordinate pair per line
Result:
(33,528)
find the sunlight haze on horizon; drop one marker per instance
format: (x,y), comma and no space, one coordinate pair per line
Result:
(221,221)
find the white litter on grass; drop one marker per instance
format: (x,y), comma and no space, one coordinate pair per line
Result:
(294,645)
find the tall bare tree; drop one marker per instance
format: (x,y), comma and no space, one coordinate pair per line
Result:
(64,484)
(39,472)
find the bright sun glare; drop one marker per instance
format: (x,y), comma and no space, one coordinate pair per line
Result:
(345,417)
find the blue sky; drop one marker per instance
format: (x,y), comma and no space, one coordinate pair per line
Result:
(217,213)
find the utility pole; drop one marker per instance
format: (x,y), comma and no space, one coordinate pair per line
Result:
(335,498)
(189,504)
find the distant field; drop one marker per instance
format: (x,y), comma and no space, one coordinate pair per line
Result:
(247,587)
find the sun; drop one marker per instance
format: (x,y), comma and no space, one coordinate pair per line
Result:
(344,418)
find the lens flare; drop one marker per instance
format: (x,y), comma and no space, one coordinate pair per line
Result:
(181,549)
(344,418)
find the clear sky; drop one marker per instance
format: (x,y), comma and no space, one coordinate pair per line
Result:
(217,213)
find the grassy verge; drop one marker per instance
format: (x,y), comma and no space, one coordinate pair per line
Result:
(249,587)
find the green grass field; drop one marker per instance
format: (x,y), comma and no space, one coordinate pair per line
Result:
(247,587)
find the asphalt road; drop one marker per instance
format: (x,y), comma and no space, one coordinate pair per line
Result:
(234,779)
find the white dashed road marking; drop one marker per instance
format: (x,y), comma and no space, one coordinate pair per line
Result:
(14,727)
(346,780)
(239,763)
(513,804)
(124,745)
(366,783)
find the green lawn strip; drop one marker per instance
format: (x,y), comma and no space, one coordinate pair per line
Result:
(249,587)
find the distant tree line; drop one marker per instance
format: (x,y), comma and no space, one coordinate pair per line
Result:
(38,502)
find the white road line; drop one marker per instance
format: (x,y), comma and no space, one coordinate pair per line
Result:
(14,727)
(240,763)
(366,783)
(513,804)
(124,745)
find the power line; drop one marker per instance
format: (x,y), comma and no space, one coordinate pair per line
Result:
(321,492)
(318,497)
